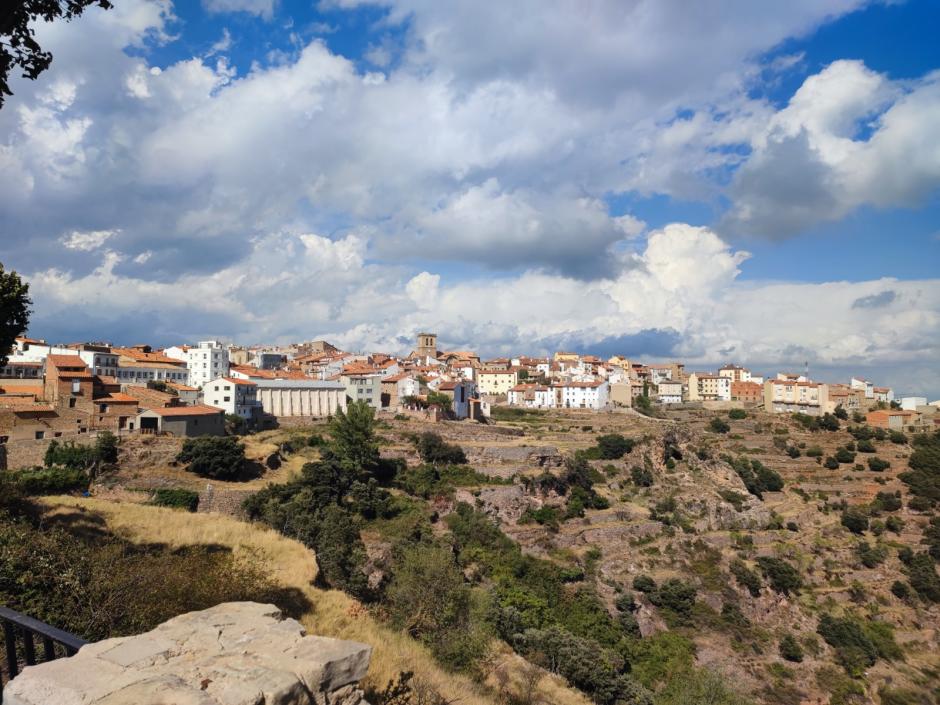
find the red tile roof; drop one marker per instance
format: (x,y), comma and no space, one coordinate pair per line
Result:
(199,410)
(66,361)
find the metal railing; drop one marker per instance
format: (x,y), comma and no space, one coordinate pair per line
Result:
(20,634)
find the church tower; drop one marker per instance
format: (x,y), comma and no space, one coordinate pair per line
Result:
(427,345)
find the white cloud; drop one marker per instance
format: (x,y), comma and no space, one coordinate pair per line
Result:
(488,143)
(849,137)
(87,241)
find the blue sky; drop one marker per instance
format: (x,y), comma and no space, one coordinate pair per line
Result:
(706,182)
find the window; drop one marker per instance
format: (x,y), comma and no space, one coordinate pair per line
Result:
(40,435)
(71,402)
(226,398)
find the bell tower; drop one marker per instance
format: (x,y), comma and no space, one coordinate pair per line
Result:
(427,345)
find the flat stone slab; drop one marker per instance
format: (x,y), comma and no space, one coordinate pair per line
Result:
(237,653)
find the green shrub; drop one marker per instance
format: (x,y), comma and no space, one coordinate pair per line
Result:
(855,520)
(718,425)
(613,446)
(756,476)
(746,577)
(887,502)
(897,437)
(644,583)
(675,595)
(900,590)
(179,498)
(737,414)
(50,480)
(216,457)
(894,524)
(923,477)
(433,449)
(844,456)
(793,452)
(876,464)
(871,556)
(781,575)
(642,477)
(790,648)
(922,574)
(814,452)
(428,598)
(854,650)
(865,446)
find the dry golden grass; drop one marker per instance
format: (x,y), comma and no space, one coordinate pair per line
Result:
(291,564)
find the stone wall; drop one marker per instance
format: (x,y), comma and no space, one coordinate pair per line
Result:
(28,453)
(223,501)
(237,653)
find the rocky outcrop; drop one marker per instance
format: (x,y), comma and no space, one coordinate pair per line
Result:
(237,653)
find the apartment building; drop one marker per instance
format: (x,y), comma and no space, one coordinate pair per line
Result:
(785,395)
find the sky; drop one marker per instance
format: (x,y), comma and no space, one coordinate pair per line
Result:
(725,181)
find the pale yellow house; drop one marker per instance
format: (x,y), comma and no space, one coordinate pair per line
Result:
(785,395)
(496,381)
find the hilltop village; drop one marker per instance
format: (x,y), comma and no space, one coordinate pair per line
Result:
(54,391)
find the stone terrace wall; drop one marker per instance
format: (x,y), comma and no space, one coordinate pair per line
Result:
(28,453)
(223,501)
(237,653)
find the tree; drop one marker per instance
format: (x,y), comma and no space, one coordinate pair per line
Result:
(613,446)
(841,413)
(433,449)
(353,434)
(14,292)
(217,457)
(440,399)
(717,425)
(855,520)
(790,648)
(17,45)
(782,576)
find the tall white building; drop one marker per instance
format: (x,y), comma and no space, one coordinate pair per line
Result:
(234,396)
(206,361)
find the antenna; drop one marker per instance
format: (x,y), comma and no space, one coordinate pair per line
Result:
(806,369)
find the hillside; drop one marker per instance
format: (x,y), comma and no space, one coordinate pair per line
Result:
(705,558)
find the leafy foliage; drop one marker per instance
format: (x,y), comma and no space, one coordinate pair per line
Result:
(923,478)
(718,425)
(756,476)
(433,449)
(737,414)
(781,575)
(922,575)
(176,497)
(14,292)
(613,446)
(746,577)
(51,480)
(18,46)
(855,520)
(790,648)
(217,457)
(103,586)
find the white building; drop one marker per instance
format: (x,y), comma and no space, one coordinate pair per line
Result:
(737,374)
(708,387)
(911,403)
(670,392)
(301,397)
(863,385)
(532,396)
(582,395)
(234,396)
(206,361)
(100,359)
(884,394)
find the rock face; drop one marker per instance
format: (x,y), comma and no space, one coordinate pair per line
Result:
(237,653)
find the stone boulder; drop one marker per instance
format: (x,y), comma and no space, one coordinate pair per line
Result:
(237,653)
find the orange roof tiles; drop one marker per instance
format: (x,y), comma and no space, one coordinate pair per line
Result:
(66,361)
(199,410)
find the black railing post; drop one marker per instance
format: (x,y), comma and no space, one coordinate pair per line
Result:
(30,628)
(9,638)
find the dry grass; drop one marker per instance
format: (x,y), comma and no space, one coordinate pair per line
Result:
(291,564)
